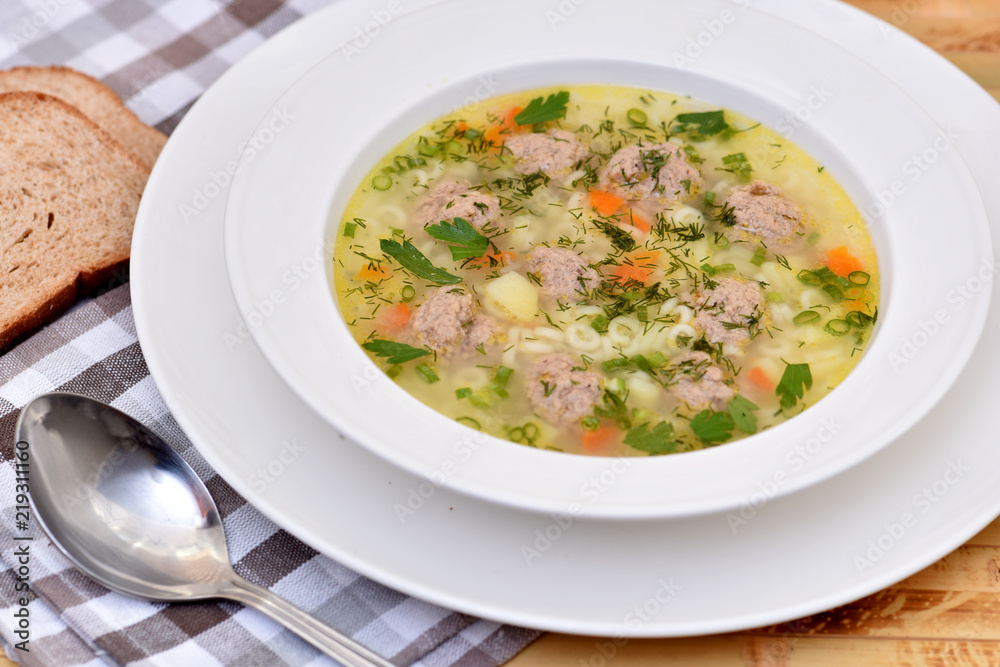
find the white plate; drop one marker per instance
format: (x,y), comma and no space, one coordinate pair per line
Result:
(861,127)
(794,556)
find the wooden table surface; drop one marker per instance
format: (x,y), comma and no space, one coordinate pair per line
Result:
(948,614)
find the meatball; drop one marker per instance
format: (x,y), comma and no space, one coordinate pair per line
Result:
(562,272)
(659,171)
(454,199)
(551,152)
(762,212)
(440,320)
(699,383)
(448,322)
(560,390)
(483,331)
(730,311)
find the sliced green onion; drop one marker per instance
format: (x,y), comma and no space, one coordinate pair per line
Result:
(349,229)
(427,373)
(710,198)
(531,431)
(708,268)
(724,268)
(481,400)
(854,292)
(472,134)
(813,238)
(381,182)
(858,319)
(806,317)
(835,292)
(463,392)
(642,315)
(516,434)
(859,278)
(616,386)
(637,117)
(826,275)
(657,359)
(469,421)
(810,277)
(502,376)
(394,371)
(453,147)
(775,297)
(837,327)
(428,149)
(499,391)
(407,293)
(721,242)
(759,255)
(590,423)
(615,364)
(600,324)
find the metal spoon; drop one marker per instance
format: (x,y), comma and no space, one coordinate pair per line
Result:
(129,512)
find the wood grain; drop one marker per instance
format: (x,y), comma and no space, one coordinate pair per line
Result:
(948,614)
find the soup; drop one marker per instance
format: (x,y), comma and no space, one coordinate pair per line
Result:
(606,270)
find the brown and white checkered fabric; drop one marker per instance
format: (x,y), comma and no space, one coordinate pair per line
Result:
(160,55)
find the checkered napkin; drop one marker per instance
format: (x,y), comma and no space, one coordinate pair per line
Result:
(160,55)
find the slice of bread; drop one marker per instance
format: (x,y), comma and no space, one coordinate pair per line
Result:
(95,100)
(68,198)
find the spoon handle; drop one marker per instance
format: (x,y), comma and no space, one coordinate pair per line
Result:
(322,636)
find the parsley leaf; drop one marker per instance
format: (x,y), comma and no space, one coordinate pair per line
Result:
(398,353)
(794,381)
(698,126)
(465,241)
(539,111)
(713,427)
(741,410)
(414,261)
(658,440)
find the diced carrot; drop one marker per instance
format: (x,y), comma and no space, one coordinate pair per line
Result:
(394,317)
(604,438)
(760,378)
(493,259)
(372,274)
(462,126)
(497,133)
(842,262)
(606,203)
(639,268)
(633,220)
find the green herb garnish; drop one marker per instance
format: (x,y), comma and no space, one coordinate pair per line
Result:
(794,381)
(414,261)
(658,440)
(397,353)
(464,240)
(539,111)
(698,126)
(742,412)
(713,427)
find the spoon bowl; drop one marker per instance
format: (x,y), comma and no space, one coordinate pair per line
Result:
(128,511)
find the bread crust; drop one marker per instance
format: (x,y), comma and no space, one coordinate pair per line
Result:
(100,186)
(105,108)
